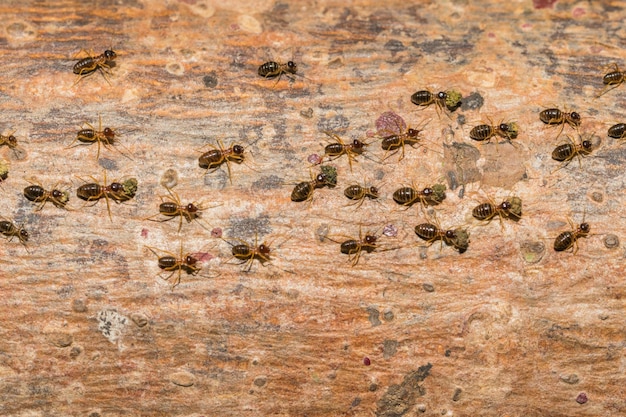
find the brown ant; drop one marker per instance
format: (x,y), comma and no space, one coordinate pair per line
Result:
(568,239)
(338,148)
(303,191)
(272,69)
(118,192)
(617,131)
(510,208)
(567,151)
(457,238)
(171,207)
(359,193)
(407,196)
(92,63)
(10,230)
(212,159)
(171,263)
(37,194)
(105,136)
(612,79)
(247,253)
(486,132)
(557,117)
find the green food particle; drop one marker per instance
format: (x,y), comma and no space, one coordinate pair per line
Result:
(453,99)
(331,174)
(439,193)
(130,187)
(461,240)
(513,130)
(516,206)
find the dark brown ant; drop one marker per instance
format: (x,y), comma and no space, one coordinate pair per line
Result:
(407,196)
(171,263)
(303,191)
(105,136)
(618,131)
(336,149)
(171,207)
(558,117)
(4,170)
(568,239)
(272,69)
(567,151)
(486,132)
(36,193)
(118,192)
(354,247)
(90,64)
(9,140)
(359,193)
(510,208)
(457,238)
(212,159)
(612,79)
(10,230)
(450,100)
(248,253)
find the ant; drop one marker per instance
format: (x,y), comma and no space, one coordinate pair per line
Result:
(10,230)
(92,63)
(36,193)
(336,149)
(612,80)
(486,132)
(187,263)
(394,139)
(105,136)
(567,151)
(173,207)
(9,140)
(360,193)
(303,191)
(558,117)
(509,208)
(457,238)
(407,196)
(354,247)
(272,69)
(118,192)
(450,100)
(247,254)
(216,157)
(568,239)
(617,131)
(4,170)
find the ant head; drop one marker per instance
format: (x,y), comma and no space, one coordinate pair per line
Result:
(108,133)
(370,239)
(293,67)
(57,193)
(450,234)
(23,235)
(373,191)
(505,205)
(238,149)
(584,227)
(116,187)
(412,132)
(504,127)
(357,144)
(190,260)
(427,191)
(575,117)
(191,208)
(110,54)
(12,141)
(442,95)
(587,144)
(321,179)
(264,249)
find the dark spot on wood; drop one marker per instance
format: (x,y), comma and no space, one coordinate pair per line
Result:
(400,398)
(374,315)
(473,101)
(390,347)
(210,80)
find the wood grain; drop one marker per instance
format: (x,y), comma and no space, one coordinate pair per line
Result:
(508,328)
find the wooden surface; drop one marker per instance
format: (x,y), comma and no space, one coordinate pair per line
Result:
(509,328)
